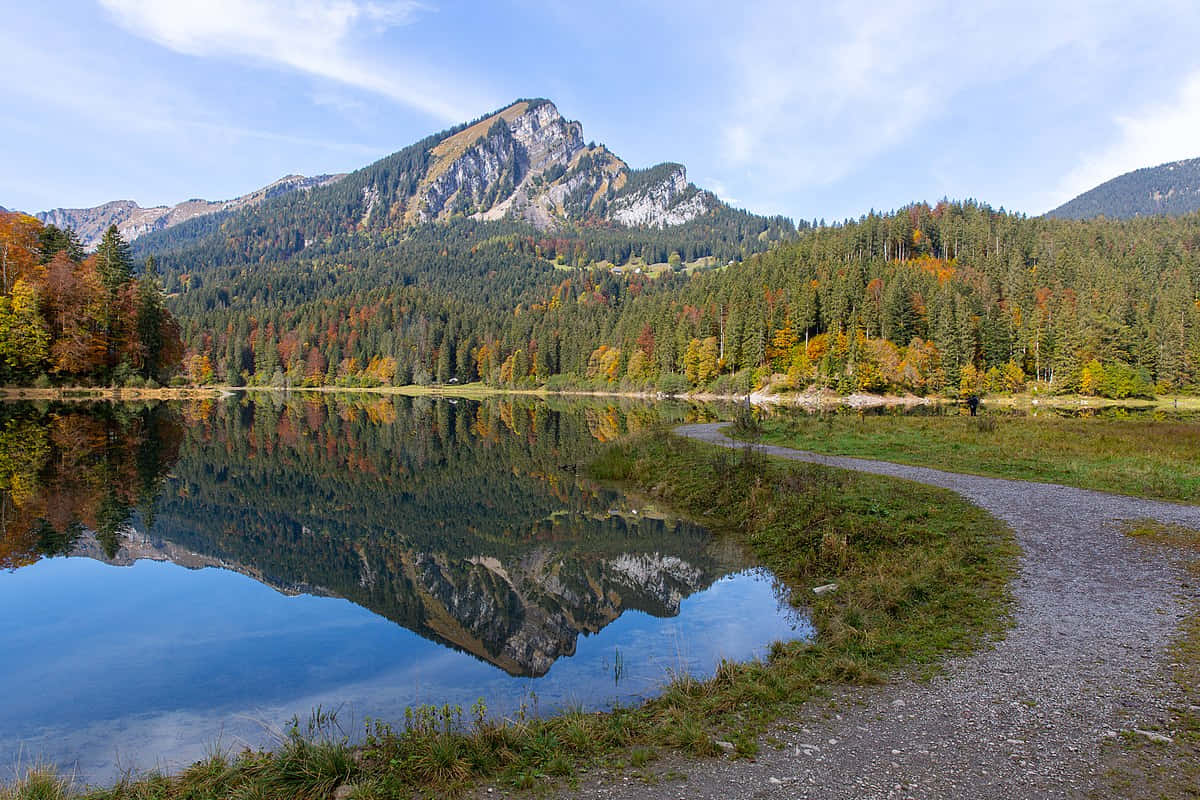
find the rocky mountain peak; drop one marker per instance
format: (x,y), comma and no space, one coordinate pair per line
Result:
(528,162)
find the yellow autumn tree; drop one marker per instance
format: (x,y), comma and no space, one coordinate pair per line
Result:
(971,381)
(1014,377)
(1091,377)
(779,351)
(199,369)
(635,370)
(24,340)
(691,362)
(707,366)
(605,362)
(19,248)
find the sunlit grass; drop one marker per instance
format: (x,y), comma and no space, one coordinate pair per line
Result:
(1142,457)
(38,783)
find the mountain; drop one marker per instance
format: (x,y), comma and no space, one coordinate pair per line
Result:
(441,249)
(524,167)
(526,162)
(1172,189)
(133,221)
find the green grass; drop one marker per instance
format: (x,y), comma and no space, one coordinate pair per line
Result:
(1142,457)
(1135,767)
(920,573)
(38,783)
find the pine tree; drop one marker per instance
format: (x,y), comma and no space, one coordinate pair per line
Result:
(114,260)
(946,338)
(54,240)
(151,315)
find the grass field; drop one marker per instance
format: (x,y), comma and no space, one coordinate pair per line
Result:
(919,572)
(1143,457)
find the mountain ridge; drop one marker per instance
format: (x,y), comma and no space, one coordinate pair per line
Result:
(1170,189)
(133,220)
(524,164)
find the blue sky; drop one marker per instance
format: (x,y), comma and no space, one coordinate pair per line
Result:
(805,109)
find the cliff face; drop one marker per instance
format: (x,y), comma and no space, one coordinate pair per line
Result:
(133,221)
(528,162)
(668,201)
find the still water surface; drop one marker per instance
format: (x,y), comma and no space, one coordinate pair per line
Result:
(184,575)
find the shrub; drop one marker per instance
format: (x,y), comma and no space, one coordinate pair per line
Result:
(736,383)
(671,383)
(1120,381)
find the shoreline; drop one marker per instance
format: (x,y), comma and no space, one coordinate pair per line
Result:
(86,393)
(811,400)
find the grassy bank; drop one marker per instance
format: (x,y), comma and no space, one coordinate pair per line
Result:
(1138,766)
(1142,457)
(919,572)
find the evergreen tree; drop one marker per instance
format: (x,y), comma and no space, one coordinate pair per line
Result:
(54,240)
(114,260)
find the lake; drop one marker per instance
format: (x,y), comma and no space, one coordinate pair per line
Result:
(179,577)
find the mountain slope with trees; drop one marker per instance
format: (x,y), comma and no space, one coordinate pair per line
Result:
(1170,189)
(133,221)
(929,299)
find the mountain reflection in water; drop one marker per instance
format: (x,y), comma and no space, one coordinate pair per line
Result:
(467,523)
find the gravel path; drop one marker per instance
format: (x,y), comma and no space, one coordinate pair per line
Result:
(1085,659)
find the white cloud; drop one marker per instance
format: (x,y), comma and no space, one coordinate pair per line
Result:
(322,38)
(819,92)
(1154,135)
(164,109)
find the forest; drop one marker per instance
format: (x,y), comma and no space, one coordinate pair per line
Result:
(951,298)
(74,319)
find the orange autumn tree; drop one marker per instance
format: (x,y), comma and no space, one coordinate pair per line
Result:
(79,319)
(75,308)
(20,248)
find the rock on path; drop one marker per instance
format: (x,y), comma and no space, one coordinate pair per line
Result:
(1093,617)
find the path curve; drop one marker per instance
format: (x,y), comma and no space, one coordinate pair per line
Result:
(1093,617)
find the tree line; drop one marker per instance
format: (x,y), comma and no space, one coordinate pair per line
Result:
(955,297)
